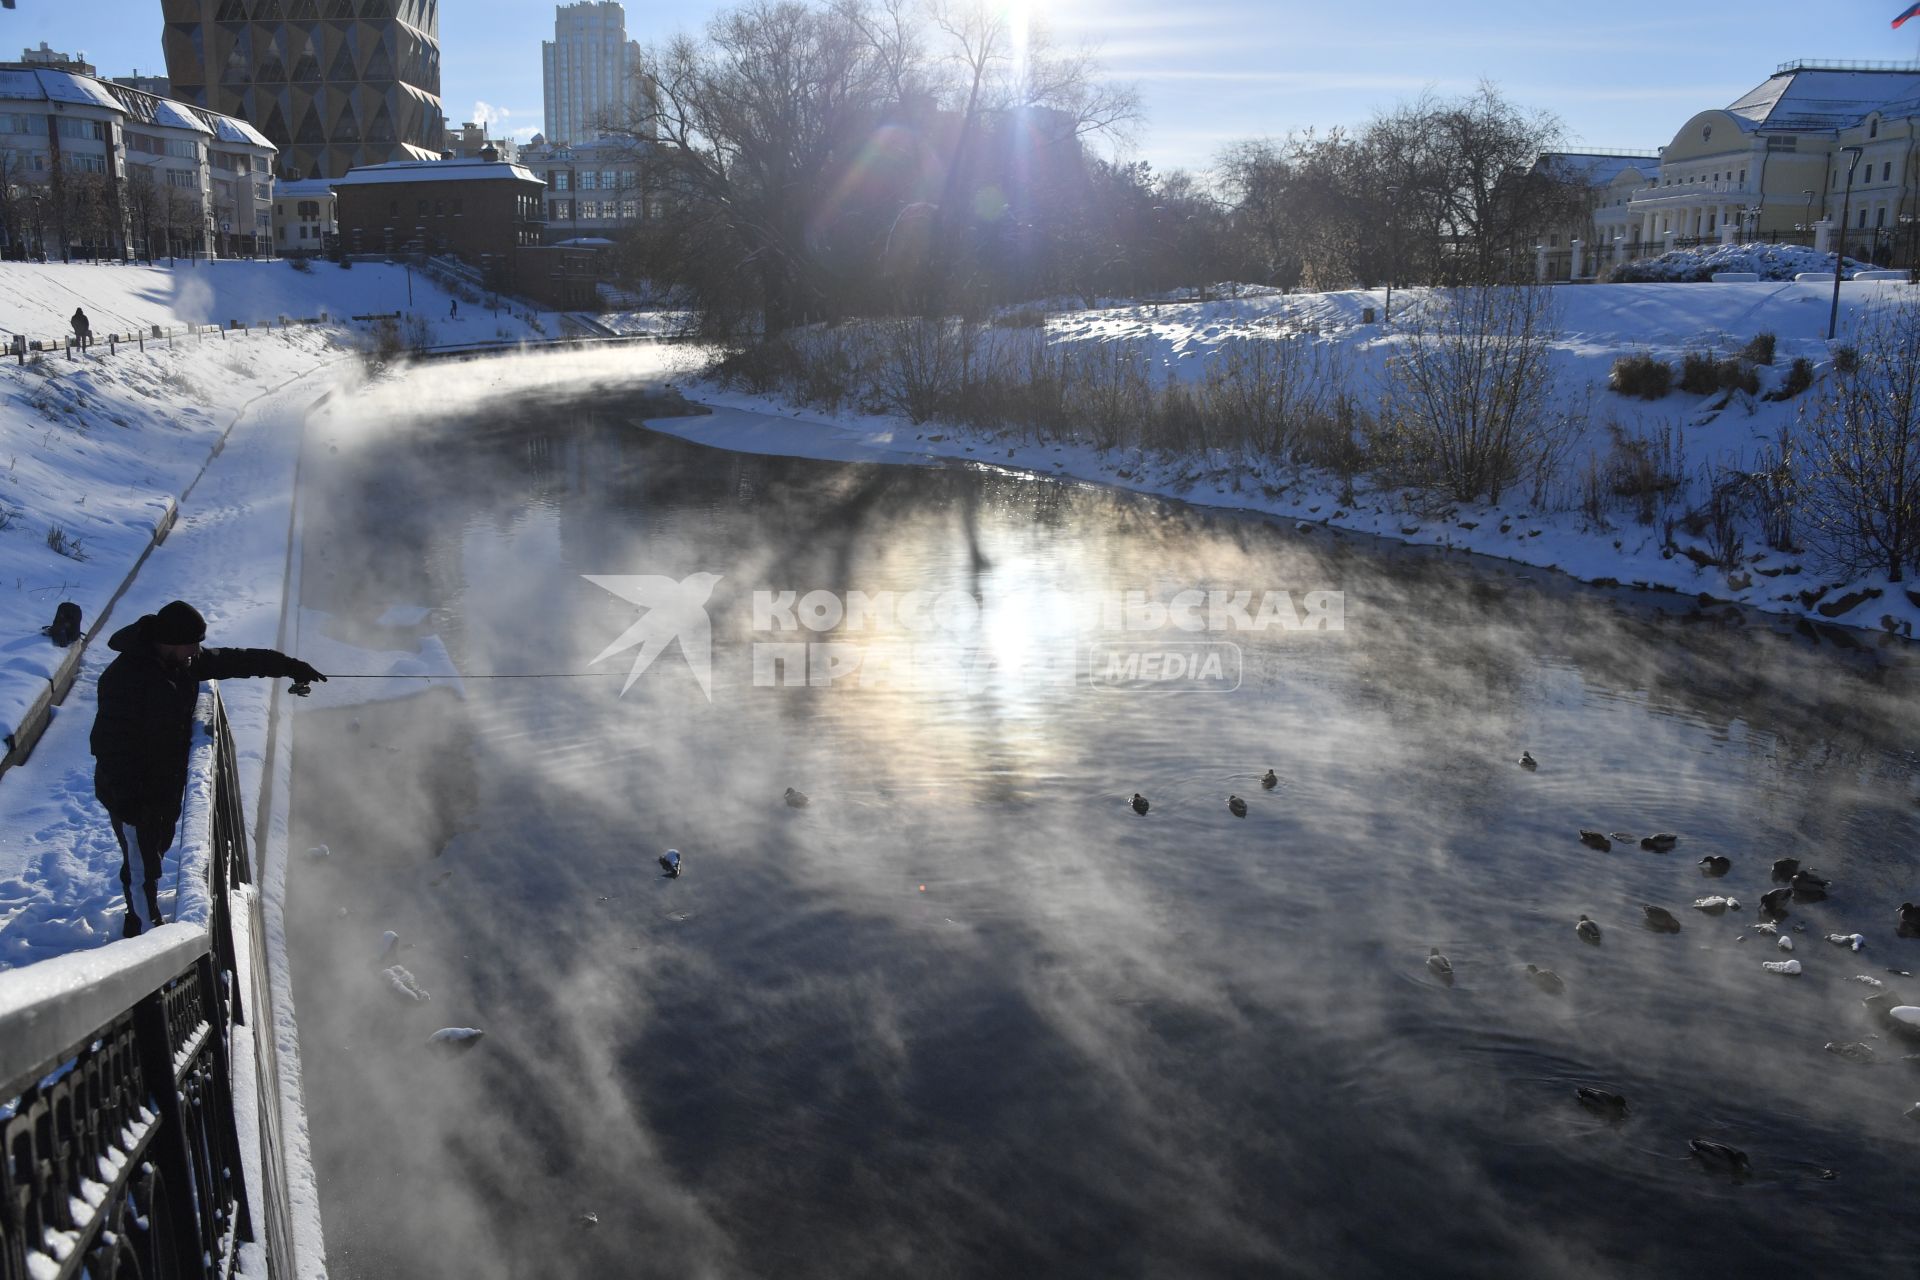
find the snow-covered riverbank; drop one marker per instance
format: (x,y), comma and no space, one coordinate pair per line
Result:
(1699,437)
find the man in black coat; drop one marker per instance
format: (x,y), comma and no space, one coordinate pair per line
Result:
(144,728)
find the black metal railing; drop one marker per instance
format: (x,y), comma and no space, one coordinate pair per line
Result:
(120,1149)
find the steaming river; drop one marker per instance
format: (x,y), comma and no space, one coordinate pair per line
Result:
(966,1013)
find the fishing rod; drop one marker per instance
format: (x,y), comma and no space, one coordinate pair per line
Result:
(304,688)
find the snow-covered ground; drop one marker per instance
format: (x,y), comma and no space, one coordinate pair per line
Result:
(96,450)
(101,448)
(1596,325)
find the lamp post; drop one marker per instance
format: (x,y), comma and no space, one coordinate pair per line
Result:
(1393,250)
(1806,219)
(1912,224)
(1840,250)
(1750,222)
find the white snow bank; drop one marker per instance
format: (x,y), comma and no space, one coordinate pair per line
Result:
(1767,261)
(1596,324)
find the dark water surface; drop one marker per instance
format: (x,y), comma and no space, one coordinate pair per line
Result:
(967,1014)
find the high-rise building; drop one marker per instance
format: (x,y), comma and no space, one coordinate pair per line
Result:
(334,83)
(588,68)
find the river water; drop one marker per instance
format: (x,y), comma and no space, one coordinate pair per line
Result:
(967,1013)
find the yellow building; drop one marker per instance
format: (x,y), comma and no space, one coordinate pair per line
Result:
(1773,165)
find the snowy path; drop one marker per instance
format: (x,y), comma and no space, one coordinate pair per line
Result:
(59,865)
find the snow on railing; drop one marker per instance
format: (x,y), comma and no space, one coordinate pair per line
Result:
(89,1040)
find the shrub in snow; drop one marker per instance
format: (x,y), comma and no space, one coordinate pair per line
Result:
(1799,378)
(1863,447)
(1699,376)
(303,265)
(1469,395)
(61,543)
(1846,359)
(1759,350)
(1643,469)
(924,364)
(1642,375)
(1735,374)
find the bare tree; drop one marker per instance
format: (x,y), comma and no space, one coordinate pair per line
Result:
(1863,449)
(841,161)
(1469,392)
(143,200)
(748,127)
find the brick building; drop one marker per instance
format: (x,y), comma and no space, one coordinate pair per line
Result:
(485,211)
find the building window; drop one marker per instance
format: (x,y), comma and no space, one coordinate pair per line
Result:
(560,180)
(1743,175)
(1886,171)
(1880,217)
(629,209)
(421,211)
(589,180)
(393,207)
(182,178)
(440,208)
(1863,219)
(457,209)
(1873,128)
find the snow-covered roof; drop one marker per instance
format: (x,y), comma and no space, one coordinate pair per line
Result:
(1815,98)
(458,169)
(178,115)
(303,189)
(232,129)
(1593,168)
(42,84)
(584,242)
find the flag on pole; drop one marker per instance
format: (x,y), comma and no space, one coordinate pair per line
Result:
(1906,13)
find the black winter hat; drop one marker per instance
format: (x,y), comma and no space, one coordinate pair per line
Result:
(179,623)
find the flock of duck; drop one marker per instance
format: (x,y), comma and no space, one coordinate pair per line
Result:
(1795,884)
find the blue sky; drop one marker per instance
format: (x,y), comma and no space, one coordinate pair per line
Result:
(1211,71)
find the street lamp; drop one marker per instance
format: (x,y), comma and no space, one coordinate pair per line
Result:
(1393,249)
(1912,223)
(1840,250)
(1750,222)
(1806,219)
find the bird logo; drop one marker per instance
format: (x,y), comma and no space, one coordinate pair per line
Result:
(671,610)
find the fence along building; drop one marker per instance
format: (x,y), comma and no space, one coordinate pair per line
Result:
(99,169)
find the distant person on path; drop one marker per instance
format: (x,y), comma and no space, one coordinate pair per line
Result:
(142,731)
(453,308)
(82,328)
